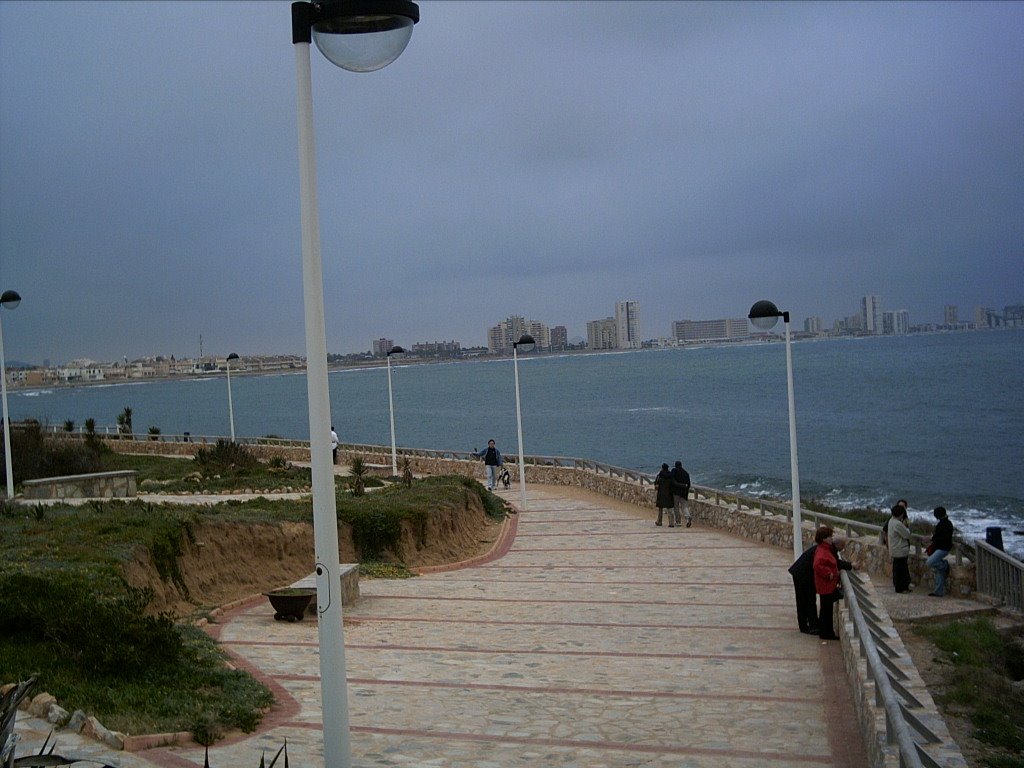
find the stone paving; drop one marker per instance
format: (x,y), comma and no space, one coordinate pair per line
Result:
(596,640)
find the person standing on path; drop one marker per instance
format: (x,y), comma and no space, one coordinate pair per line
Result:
(664,495)
(492,460)
(827,565)
(802,571)
(680,493)
(334,445)
(899,549)
(940,546)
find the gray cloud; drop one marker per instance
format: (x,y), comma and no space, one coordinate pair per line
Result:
(537,158)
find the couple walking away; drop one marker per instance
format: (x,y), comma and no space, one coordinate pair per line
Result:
(673,488)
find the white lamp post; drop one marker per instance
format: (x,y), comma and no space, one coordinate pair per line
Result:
(391,408)
(764,315)
(231,409)
(360,36)
(9,300)
(527,343)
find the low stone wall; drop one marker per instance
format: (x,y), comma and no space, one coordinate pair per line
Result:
(96,485)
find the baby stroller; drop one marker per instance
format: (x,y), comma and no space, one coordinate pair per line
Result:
(504,478)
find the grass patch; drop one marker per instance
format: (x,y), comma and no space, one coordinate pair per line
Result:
(983,663)
(376,569)
(217,471)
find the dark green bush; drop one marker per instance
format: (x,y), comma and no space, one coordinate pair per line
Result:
(36,455)
(98,627)
(226,456)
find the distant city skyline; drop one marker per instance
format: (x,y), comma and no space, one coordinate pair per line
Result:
(537,159)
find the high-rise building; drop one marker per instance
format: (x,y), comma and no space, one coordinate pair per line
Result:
(501,337)
(896,322)
(710,330)
(382,346)
(871,314)
(812,325)
(602,334)
(949,314)
(559,337)
(627,324)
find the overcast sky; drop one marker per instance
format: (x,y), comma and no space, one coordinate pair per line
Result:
(544,159)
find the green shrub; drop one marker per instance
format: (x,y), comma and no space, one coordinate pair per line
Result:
(36,456)
(226,456)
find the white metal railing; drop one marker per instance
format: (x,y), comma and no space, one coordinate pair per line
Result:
(902,726)
(1000,576)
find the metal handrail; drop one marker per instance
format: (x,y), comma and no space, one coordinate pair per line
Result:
(897,730)
(1000,576)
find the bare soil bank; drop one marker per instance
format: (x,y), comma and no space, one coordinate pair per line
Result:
(223,562)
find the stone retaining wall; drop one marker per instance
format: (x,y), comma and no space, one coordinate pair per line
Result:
(96,485)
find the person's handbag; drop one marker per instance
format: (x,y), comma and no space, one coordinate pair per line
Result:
(930,549)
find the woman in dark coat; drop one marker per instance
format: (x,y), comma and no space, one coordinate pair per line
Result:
(663,484)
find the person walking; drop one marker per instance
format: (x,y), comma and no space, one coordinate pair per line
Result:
(664,498)
(680,494)
(940,546)
(899,548)
(492,460)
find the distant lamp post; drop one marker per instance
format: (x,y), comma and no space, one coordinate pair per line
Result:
(391,408)
(764,315)
(526,343)
(231,409)
(8,300)
(360,36)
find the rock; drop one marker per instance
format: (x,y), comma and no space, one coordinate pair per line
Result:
(95,729)
(40,705)
(57,714)
(77,722)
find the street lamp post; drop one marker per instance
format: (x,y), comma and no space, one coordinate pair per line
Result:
(231,409)
(8,300)
(360,36)
(527,343)
(764,315)
(391,408)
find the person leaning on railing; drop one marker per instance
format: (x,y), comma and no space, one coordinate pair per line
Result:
(941,544)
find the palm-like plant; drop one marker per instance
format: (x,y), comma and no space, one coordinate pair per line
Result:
(69,425)
(406,471)
(124,423)
(359,470)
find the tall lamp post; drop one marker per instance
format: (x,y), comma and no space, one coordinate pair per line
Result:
(360,36)
(231,409)
(527,344)
(396,350)
(8,300)
(765,315)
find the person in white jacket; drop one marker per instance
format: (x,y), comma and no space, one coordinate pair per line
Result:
(899,548)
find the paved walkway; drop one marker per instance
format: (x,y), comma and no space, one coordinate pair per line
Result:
(596,640)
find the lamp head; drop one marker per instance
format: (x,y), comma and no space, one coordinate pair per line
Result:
(10,299)
(232,356)
(357,35)
(525,343)
(764,315)
(396,350)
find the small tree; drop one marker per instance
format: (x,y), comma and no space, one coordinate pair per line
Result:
(154,433)
(69,425)
(406,471)
(124,423)
(359,470)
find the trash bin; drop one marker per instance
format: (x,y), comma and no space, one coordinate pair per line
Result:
(994,537)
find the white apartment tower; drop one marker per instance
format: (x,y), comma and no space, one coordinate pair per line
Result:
(627,324)
(871,314)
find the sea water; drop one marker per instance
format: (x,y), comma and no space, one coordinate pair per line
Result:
(933,418)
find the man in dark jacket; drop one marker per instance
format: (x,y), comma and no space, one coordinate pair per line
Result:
(680,492)
(802,572)
(941,545)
